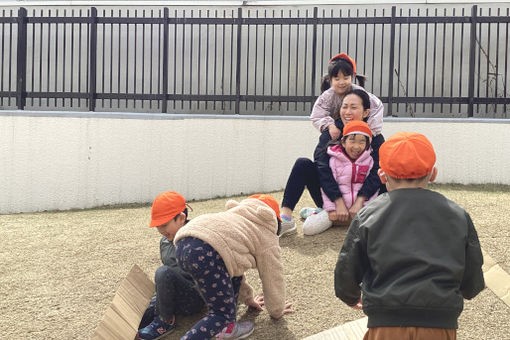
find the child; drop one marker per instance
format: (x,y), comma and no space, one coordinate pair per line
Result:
(325,117)
(216,249)
(176,293)
(350,163)
(415,253)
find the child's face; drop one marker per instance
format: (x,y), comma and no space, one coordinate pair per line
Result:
(354,145)
(352,109)
(341,83)
(171,228)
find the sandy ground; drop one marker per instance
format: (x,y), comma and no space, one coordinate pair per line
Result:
(60,270)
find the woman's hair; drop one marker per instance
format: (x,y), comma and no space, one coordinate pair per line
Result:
(363,95)
(340,65)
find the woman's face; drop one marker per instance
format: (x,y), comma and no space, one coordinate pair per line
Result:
(341,83)
(352,109)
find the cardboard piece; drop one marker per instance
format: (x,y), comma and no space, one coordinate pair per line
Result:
(123,315)
(496,279)
(353,330)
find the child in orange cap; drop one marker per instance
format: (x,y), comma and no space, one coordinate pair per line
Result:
(217,249)
(176,292)
(351,162)
(414,252)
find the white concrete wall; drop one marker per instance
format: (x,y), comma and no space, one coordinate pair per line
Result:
(57,160)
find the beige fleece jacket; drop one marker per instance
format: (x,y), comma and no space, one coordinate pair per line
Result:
(245,237)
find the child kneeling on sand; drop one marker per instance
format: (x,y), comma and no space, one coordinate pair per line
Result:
(217,249)
(415,253)
(176,292)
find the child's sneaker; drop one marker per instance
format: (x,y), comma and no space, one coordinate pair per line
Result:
(287,226)
(236,330)
(317,223)
(155,330)
(307,211)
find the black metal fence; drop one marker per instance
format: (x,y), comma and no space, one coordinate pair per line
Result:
(246,61)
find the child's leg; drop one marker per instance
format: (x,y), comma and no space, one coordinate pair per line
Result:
(218,290)
(175,294)
(303,174)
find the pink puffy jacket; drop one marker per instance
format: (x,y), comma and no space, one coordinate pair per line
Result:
(349,175)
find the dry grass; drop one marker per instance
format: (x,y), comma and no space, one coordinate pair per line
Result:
(60,270)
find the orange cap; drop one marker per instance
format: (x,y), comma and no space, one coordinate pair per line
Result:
(345,57)
(357,127)
(407,155)
(165,207)
(270,201)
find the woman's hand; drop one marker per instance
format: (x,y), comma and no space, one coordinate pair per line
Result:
(356,206)
(255,302)
(341,210)
(334,132)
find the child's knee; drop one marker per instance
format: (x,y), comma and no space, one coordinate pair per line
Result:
(164,273)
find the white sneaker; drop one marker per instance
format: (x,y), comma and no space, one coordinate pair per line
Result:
(288,227)
(317,223)
(307,211)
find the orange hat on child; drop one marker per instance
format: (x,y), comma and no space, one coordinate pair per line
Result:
(357,127)
(407,155)
(165,207)
(270,201)
(347,58)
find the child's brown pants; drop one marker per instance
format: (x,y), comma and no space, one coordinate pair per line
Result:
(410,333)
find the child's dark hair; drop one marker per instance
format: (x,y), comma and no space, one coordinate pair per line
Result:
(185,212)
(363,95)
(336,66)
(278,231)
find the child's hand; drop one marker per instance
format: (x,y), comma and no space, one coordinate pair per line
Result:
(286,310)
(257,302)
(334,132)
(359,305)
(332,215)
(341,210)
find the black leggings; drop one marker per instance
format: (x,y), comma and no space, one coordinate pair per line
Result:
(304,174)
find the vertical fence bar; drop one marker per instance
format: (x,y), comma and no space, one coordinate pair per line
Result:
(93,59)
(314,49)
(472,46)
(165,60)
(21,69)
(392,60)
(238,60)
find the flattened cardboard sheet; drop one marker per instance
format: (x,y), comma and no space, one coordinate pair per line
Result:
(353,330)
(122,317)
(496,278)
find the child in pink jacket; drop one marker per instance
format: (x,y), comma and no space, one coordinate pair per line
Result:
(350,162)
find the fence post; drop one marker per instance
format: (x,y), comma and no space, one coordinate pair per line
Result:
(21,59)
(165,60)
(314,48)
(93,59)
(472,47)
(392,60)
(238,60)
